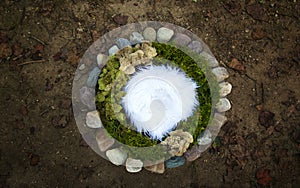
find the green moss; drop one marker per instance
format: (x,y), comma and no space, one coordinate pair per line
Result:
(113,116)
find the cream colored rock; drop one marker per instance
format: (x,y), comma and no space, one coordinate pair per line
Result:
(220,73)
(186,135)
(133,165)
(150,52)
(223,105)
(129,59)
(116,156)
(130,70)
(178,142)
(225,88)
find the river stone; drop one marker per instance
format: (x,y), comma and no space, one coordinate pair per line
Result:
(182,39)
(164,34)
(149,34)
(225,88)
(220,119)
(93,120)
(196,46)
(220,73)
(136,37)
(104,140)
(133,165)
(93,77)
(211,61)
(157,168)
(114,49)
(223,105)
(116,156)
(87,97)
(193,153)
(174,162)
(81,67)
(121,42)
(205,138)
(101,59)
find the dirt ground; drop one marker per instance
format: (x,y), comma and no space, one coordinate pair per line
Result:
(41,43)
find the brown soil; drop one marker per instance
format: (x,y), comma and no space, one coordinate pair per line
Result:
(42,41)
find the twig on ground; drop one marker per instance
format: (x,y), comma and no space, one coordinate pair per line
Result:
(37,39)
(30,62)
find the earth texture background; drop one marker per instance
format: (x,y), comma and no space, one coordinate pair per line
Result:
(41,43)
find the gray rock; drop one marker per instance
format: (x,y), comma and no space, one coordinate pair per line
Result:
(136,37)
(196,46)
(220,73)
(149,34)
(174,162)
(211,61)
(114,49)
(225,88)
(87,97)
(93,77)
(182,39)
(133,165)
(223,105)
(93,119)
(164,34)
(205,138)
(104,140)
(121,42)
(116,156)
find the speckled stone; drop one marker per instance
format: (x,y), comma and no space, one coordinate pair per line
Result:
(116,156)
(196,46)
(93,77)
(220,73)
(164,34)
(122,42)
(133,165)
(223,105)
(174,162)
(136,37)
(87,97)
(225,89)
(149,34)
(93,120)
(114,49)
(205,138)
(104,140)
(182,39)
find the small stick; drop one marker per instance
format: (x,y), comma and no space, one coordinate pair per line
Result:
(30,62)
(262,93)
(39,40)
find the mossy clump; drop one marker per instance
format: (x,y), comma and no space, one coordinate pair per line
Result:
(110,92)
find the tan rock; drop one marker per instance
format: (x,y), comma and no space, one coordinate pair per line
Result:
(178,142)
(158,168)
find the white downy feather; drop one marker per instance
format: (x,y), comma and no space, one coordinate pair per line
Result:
(157,98)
